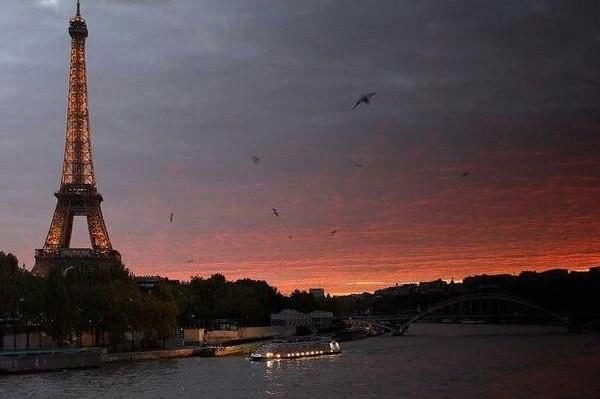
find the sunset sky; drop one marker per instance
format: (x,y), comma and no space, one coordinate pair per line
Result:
(183,93)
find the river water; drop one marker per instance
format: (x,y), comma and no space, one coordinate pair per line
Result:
(433,361)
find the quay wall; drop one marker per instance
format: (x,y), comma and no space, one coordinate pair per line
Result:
(32,361)
(219,336)
(193,336)
(236,350)
(131,357)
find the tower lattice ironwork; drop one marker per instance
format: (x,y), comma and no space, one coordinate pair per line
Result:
(78,194)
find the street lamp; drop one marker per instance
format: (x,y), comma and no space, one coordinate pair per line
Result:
(17,316)
(131,326)
(22,315)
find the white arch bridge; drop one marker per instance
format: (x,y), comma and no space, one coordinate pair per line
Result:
(483,306)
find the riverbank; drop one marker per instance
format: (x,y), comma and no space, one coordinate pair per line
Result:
(40,361)
(133,357)
(230,349)
(68,359)
(49,360)
(441,361)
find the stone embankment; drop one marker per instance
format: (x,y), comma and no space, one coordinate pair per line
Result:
(49,360)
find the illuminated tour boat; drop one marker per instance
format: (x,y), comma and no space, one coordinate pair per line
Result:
(296,349)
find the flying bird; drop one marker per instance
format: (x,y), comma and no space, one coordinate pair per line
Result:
(358,165)
(190,261)
(364,99)
(255,159)
(171,217)
(290,237)
(275,212)
(465,174)
(333,232)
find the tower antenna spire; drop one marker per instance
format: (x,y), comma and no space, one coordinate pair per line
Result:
(78,8)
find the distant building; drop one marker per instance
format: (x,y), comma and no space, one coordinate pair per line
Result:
(554,274)
(433,287)
(404,289)
(224,325)
(148,283)
(321,319)
(318,293)
(292,318)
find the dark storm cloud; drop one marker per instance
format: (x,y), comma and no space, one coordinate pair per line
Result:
(184,92)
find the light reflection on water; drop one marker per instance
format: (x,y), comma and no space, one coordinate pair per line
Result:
(435,362)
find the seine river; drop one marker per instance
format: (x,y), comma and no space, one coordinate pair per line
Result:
(434,361)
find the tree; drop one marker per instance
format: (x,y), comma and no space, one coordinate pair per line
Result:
(158,315)
(60,317)
(9,288)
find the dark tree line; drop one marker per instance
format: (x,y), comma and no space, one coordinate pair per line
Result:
(108,303)
(248,302)
(570,293)
(104,302)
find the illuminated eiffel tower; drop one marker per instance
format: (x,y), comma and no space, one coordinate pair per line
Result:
(78,194)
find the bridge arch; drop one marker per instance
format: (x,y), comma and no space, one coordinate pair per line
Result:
(471,297)
(372,323)
(591,324)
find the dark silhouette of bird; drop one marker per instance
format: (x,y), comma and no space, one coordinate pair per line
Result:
(171,217)
(465,174)
(358,165)
(275,212)
(364,99)
(255,159)
(290,237)
(333,232)
(190,261)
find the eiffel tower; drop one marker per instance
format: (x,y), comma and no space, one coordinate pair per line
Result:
(78,194)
